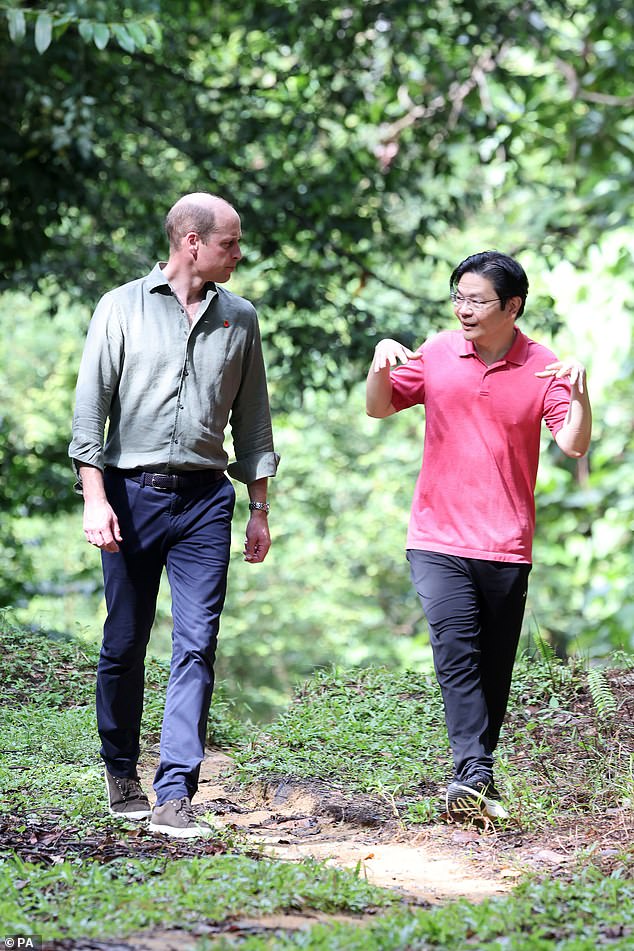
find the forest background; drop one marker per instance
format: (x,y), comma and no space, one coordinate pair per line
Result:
(368,147)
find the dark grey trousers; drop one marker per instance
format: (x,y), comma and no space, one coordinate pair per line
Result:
(474,610)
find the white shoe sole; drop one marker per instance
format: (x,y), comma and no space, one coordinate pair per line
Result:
(186,833)
(475,803)
(137,816)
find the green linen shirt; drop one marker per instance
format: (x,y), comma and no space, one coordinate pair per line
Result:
(169,389)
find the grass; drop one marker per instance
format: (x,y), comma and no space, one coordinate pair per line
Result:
(580,916)
(68,871)
(366,730)
(377,732)
(59,672)
(143,894)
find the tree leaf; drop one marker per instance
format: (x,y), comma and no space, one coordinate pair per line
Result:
(137,33)
(123,37)
(43,32)
(86,30)
(17,25)
(101,35)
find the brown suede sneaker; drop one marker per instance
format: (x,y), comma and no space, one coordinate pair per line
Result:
(126,799)
(176,817)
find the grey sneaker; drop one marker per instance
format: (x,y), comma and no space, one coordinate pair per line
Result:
(176,817)
(126,799)
(474,798)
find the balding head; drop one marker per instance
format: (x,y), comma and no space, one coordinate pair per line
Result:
(197,212)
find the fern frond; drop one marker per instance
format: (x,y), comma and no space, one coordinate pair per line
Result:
(602,697)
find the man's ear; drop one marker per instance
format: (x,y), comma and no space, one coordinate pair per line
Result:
(513,305)
(191,242)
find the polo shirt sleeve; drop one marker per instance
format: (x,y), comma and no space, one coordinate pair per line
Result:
(408,384)
(556,403)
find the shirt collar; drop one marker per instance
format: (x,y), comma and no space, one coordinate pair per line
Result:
(157,282)
(517,354)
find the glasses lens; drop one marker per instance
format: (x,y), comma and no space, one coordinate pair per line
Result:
(476,305)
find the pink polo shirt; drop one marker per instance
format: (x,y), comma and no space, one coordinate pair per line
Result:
(474,496)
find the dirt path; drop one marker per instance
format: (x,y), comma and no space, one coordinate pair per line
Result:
(294,821)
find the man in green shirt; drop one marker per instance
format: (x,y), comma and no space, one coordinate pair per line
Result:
(170,360)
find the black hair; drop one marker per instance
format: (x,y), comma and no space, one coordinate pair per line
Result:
(507,275)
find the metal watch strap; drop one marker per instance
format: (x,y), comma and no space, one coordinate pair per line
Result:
(259,507)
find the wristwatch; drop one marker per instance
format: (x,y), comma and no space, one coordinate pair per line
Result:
(259,507)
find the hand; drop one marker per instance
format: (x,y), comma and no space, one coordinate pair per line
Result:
(388,353)
(258,540)
(570,368)
(101,526)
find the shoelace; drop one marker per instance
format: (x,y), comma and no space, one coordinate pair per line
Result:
(184,805)
(130,789)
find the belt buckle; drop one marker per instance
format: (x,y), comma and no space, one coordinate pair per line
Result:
(155,485)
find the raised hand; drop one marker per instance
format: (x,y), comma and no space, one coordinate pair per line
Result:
(574,370)
(388,353)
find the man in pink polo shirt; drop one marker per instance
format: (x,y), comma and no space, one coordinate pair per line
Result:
(486,389)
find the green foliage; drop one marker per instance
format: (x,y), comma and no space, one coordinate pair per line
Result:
(383,733)
(48,735)
(543,916)
(370,731)
(133,895)
(136,32)
(366,150)
(602,696)
(357,143)
(50,738)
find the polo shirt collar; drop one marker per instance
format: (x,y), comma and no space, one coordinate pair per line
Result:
(517,354)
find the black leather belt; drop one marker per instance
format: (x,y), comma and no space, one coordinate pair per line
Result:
(172,481)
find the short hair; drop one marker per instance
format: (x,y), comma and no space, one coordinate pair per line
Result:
(507,275)
(191,213)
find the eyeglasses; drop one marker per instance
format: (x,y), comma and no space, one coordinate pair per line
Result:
(478,306)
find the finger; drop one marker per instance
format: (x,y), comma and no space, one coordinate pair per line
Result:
(260,554)
(578,379)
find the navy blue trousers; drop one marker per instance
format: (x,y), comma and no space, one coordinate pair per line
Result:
(187,532)
(474,610)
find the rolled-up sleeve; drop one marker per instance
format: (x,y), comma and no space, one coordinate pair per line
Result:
(97,382)
(251,420)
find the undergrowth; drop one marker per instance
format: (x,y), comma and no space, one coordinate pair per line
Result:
(566,745)
(567,749)
(591,912)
